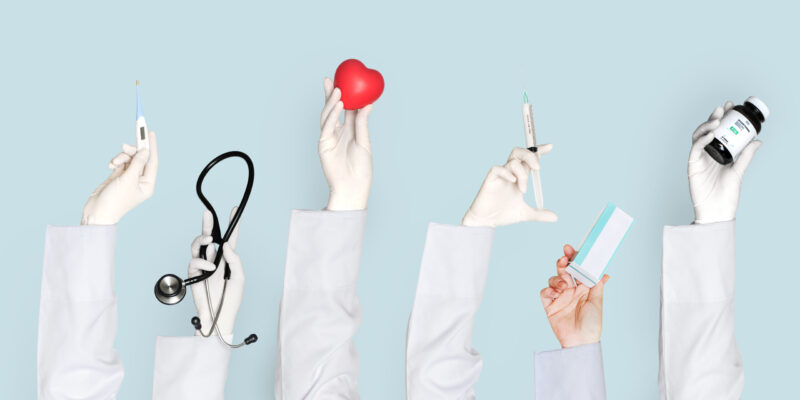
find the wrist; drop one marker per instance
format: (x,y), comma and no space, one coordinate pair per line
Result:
(352,202)
(568,343)
(475,221)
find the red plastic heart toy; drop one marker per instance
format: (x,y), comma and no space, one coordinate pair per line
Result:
(360,85)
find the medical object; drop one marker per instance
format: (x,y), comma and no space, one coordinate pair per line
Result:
(170,289)
(360,85)
(142,141)
(738,127)
(530,143)
(600,245)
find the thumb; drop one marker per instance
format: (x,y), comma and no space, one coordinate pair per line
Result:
(596,293)
(362,126)
(746,156)
(539,215)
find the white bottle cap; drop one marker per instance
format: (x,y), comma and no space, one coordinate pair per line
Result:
(759,105)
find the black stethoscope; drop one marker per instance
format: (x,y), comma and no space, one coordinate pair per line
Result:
(170,289)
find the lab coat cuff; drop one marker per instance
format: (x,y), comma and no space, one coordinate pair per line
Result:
(324,249)
(574,373)
(455,261)
(699,262)
(79,263)
(190,367)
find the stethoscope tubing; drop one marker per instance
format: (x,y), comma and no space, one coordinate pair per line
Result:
(216,236)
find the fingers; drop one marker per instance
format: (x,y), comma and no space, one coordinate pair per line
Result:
(526,156)
(128,149)
(544,148)
(362,128)
(199,242)
(119,160)
(233,260)
(327,85)
(596,292)
(717,113)
(151,168)
(698,148)
(196,265)
(330,105)
(548,296)
(235,234)
(520,172)
(136,166)
(569,252)
(728,105)
(558,283)
(329,125)
(208,223)
(502,173)
(540,215)
(745,157)
(704,128)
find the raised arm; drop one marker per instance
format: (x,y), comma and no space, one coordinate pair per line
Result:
(78,308)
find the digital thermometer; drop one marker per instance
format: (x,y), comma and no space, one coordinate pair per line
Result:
(142,135)
(530,143)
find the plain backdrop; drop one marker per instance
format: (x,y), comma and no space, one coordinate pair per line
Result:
(617,86)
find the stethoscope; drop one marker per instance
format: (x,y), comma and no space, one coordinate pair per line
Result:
(170,289)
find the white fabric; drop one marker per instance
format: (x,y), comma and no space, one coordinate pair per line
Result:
(699,358)
(78,315)
(320,312)
(440,360)
(575,373)
(78,324)
(190,368)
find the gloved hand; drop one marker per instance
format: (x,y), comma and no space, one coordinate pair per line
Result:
(345,152)
(714,187)
(500,200)
(131,182)
(235,289)
(575,312)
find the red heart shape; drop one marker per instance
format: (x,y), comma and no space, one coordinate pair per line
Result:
(360,85)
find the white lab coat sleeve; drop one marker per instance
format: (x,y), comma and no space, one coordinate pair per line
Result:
(699,358)
(440,360)
(190,368)
(575,373)
(78,315)
(319,311)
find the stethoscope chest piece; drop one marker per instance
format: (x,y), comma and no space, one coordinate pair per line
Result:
(170,289)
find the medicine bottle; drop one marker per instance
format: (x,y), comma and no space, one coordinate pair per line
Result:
(738,127)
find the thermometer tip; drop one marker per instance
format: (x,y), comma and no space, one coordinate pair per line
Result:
(137,82)
(525,96)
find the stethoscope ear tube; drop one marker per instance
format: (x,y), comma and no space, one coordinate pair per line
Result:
(166,290)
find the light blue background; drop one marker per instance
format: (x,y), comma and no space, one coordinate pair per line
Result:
(618,87)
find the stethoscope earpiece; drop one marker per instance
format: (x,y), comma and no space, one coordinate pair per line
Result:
(170,289)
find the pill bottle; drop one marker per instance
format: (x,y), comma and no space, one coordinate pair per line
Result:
(738,127)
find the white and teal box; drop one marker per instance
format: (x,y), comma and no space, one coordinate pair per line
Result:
(600,245)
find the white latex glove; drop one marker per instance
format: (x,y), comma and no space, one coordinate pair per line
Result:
(131,182)
(345,153)
(500,200)
(235,289)
(714,187)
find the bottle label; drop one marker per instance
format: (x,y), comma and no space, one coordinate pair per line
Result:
(735,131)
